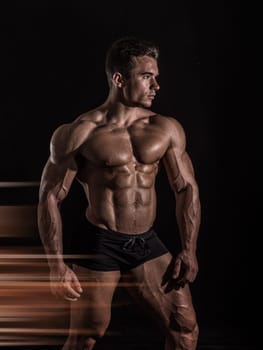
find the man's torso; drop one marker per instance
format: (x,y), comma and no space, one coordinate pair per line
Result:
(117,168)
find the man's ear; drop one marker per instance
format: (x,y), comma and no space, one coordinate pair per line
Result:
(118,80)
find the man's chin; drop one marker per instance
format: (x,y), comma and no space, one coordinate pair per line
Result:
(144,104)
(147,104)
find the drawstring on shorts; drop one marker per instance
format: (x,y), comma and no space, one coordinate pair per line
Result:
(137,244)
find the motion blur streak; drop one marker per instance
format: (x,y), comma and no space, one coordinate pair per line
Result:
(29,314)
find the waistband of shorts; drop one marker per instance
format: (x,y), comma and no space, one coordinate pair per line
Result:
(119,235)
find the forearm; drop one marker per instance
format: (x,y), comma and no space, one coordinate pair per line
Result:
(63,281)
(188,214)
(50,230)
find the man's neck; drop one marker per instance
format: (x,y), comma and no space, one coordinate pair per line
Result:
(118,113)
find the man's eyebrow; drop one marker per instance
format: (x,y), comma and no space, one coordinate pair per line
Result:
(149,73)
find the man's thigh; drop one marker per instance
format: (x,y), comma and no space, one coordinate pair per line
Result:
(94,305)
(148,286)
(97,285)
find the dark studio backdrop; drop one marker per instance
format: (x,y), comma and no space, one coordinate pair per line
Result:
(53,70)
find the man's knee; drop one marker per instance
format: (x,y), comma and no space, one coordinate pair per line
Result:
(191,332)
(98,328)
(84,340)
(188,337)
(184,330)
(93,338)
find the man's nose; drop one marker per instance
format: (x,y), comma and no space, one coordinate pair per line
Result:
(155,85)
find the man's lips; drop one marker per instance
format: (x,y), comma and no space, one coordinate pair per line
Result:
(151,96)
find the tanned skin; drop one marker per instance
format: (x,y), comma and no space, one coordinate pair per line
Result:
(120,145)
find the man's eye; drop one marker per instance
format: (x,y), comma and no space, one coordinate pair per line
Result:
(147,76)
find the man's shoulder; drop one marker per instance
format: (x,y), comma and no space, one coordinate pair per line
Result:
(93,116)
(168,122)
(68,137)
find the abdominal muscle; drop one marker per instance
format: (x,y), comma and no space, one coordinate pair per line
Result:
(122,199)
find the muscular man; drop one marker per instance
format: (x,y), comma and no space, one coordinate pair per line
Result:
(114,151)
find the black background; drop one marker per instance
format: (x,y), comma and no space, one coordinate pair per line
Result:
(53,69)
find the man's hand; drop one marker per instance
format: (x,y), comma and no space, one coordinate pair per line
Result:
(183,270)
(64,283)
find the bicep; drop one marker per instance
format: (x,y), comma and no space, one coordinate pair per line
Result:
(57,178)
(61,168)
(178,165)
(179,169)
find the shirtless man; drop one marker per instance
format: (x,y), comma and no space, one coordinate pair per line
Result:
(114,152)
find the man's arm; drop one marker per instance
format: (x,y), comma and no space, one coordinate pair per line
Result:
(56,180)
(181,176)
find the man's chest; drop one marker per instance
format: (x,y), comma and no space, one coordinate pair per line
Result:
(119,146)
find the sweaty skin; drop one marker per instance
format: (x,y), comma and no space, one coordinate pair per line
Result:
(114,152)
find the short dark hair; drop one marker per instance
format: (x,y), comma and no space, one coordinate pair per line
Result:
(120,55)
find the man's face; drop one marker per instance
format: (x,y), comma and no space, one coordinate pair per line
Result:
(140,88)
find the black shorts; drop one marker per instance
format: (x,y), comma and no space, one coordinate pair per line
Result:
(108,250)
